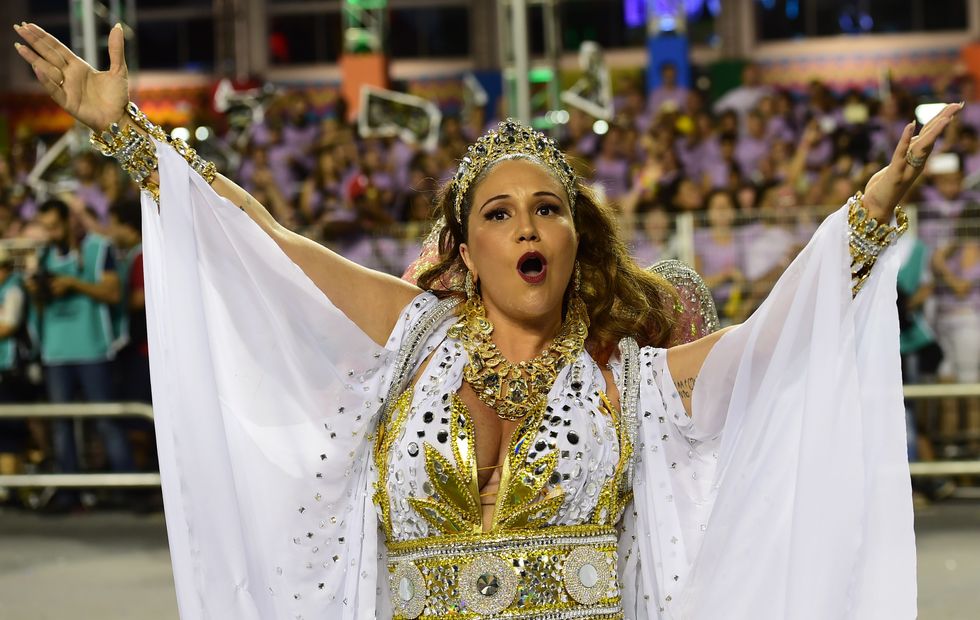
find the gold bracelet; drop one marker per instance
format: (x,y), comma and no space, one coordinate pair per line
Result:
(200,165)
(135,152)
(868,238)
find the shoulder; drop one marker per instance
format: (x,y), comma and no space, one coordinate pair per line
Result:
(424,313)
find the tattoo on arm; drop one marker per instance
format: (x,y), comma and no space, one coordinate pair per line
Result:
(685,387)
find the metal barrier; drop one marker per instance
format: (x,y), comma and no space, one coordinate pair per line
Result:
(79,410)
(935,391)
(88,410)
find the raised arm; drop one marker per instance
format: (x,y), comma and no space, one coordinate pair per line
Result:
(881,195)
(98,99)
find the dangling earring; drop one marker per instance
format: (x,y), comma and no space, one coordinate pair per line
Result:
(577,279)
(469,286)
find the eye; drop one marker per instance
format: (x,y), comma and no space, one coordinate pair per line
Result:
(496,215)
(548,208)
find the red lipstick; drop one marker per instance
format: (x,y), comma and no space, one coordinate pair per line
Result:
(533,267)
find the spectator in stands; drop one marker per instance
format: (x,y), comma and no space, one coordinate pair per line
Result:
(747,95)
(655,240)
(73,289)
(921,355)
(669,95)
(943,200)
(13,339)
(131,361)
(320,197)
(611,166)
(957,268)
(718,255)
(752,146)
(86,168)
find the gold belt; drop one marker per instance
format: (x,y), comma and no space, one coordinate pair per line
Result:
(551,573)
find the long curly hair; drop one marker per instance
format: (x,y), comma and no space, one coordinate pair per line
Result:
(622,299)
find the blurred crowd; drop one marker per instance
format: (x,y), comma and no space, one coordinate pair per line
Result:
(752,175)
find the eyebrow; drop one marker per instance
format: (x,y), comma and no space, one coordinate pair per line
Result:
(536,194)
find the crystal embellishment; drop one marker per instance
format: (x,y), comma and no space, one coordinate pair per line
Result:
(488,585)
(587,575)
(408,590)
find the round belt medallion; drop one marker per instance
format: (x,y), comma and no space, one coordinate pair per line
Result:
(587,575)
(408,591)
(488,585)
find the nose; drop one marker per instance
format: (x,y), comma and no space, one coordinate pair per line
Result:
(526,230)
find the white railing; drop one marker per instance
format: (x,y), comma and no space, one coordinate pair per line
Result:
(91,480)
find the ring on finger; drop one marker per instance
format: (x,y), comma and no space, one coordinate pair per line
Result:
(916,161)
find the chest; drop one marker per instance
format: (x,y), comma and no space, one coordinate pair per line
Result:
(443,454)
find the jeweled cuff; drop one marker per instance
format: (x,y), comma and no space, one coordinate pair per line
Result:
(868,238)
(136,152)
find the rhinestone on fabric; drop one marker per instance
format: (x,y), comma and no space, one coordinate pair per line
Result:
(408,591)
(587,575)
(488,585)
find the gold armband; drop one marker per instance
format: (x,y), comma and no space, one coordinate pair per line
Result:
(137,154)
(868,238)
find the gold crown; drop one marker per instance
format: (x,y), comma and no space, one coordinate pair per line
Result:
(511,138)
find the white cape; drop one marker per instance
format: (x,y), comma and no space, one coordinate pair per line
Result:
(265,396)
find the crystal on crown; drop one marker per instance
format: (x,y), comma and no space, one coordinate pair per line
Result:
(510,138)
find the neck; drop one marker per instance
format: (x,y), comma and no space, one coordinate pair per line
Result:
(520,340)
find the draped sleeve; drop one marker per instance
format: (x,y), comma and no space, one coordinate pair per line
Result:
(787,493)
(265,396)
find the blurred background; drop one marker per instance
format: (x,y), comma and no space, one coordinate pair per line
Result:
(722,132)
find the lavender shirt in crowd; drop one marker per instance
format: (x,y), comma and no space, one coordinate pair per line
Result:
(937,216)
(95,199)
(767,247)
(613,175)
(676,96)
(749,152)
(946,300)
(715,258)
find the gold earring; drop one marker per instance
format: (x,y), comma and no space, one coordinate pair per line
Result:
(577,279)
(469,286)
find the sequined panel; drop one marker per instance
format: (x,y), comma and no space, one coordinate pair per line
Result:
(564,572)
(696,315)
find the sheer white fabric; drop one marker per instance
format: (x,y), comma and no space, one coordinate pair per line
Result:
(787,496)
(791,487)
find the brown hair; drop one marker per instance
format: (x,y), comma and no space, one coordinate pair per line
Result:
(622,299)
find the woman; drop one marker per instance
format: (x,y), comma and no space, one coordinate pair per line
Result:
(957,268)
(718,254)
(343,388)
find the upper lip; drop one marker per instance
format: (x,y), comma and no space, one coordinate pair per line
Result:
(528,256)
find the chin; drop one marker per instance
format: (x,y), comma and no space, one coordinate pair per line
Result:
(534,302)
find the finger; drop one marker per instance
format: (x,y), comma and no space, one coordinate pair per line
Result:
(46,45)
(52,87)
(944,115)
(898,157)
(117,52)
(38,64)
(924,142)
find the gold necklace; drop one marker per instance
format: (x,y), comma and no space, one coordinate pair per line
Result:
(515,390)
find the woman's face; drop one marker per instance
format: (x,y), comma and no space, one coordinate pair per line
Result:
(521,242)
(721,211)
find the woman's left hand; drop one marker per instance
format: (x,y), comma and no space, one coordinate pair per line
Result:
(887,187)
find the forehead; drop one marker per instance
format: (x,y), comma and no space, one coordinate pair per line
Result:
(518,176)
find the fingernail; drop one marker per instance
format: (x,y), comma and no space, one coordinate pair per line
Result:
(118,25)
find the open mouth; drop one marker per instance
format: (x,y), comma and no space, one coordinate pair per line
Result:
(532,267)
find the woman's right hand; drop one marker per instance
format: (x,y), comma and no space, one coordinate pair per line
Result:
(96,98)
